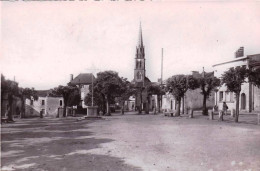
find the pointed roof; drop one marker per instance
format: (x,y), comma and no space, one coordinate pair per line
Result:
(140,40)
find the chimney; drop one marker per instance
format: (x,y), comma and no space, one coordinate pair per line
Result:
(239,52)
(71,77)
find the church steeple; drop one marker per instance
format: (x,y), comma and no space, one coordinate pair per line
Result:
(140,41)
(139,72)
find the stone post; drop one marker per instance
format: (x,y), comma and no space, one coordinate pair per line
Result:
(191,113)
(220,115)
(41,114)
(233,111)
(92,111)
(211,115)
(154,110)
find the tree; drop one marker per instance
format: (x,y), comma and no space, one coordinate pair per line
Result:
(108,84)
(207,82)
(178,85)
(254,76)
(26,93)
(67,92)
(74,98)
(156,90)
(233,79)
(9,88)
(98,99)
(126,90)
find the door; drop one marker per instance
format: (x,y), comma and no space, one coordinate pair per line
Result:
(243,101)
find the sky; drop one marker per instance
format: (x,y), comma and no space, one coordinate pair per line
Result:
(42,43)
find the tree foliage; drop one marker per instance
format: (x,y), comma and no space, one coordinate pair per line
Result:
(26,93)
(233,79)
(178,85)
(107,85)
(126,90)
(68,93)
(254,76)
(158,90)
(207,82)
(9,88)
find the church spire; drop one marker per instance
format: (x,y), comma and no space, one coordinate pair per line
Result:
(140,41)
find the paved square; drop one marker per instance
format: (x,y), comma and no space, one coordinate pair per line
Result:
(131,142)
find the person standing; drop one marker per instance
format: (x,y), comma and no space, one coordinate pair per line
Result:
(225,108)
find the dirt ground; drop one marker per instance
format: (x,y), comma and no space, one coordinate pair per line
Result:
(131,142)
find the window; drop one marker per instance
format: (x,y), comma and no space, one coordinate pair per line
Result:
(227,96)
(60,102)
(221,96)
(43,102)
(139,75)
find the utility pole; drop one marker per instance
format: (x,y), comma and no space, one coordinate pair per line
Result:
(162,68)
(92,83)
(160,102)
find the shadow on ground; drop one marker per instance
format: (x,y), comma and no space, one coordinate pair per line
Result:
(54,144)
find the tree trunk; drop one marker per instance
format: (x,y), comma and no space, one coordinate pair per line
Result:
(204,108)
(183,105)
(104,107)
(107,105)
(22,114)
(178,108)
(159,103)
(237,106)
(64,110)
(123,108)
(141,98)
(140,109)
(10,111)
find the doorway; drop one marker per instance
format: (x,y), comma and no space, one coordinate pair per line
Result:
(243,101)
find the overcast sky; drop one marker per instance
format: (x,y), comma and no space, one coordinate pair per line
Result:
(42,43)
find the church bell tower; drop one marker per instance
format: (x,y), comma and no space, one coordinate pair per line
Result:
(139,72)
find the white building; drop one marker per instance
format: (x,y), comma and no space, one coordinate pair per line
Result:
(249,95)
(45,104)
(82,81)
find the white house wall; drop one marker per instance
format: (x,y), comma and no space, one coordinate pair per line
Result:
(50,107)
(218,71)
(84,90)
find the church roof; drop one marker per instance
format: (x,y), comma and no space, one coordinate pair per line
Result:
(140,39)
(83,78)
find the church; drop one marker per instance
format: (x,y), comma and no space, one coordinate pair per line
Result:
(143,102)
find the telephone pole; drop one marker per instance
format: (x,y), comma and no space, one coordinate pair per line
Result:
(162,68)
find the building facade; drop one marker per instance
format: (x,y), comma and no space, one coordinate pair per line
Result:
(46,105)
(83,82)
(249,95)
(193,99)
